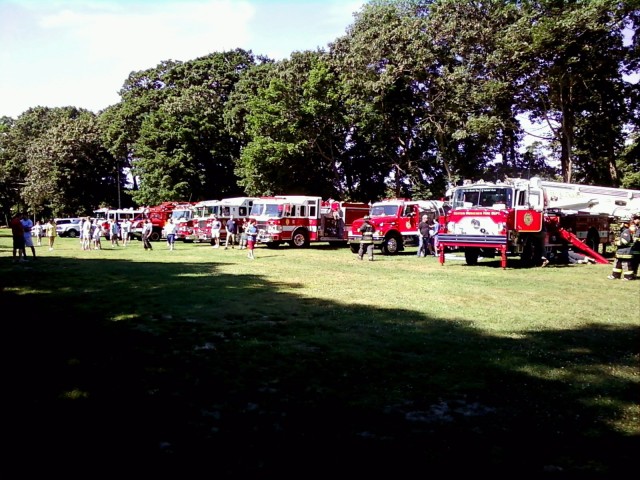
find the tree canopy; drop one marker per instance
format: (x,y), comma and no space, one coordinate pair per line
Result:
(415,96)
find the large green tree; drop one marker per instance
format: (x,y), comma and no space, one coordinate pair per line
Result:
(183,149)
(297,132)
(54,162)
(572,57)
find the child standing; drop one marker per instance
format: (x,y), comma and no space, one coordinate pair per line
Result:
(252,235)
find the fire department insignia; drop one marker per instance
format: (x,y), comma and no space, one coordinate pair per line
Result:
(408,225)
(527,219)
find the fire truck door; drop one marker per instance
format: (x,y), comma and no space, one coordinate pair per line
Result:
(528,210)
(412,212)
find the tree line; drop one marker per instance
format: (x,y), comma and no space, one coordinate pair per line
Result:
(416,96)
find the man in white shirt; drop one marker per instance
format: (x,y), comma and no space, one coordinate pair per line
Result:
(27,224)
(126,231)
(85,234)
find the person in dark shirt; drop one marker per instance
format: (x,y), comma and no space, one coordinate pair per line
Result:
(423,236)
(366,242)
(232,230)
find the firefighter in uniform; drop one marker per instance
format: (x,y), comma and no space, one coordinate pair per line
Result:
(635,247)
(622,267)
(366,241)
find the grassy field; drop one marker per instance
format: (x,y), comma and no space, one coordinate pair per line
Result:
(199,363)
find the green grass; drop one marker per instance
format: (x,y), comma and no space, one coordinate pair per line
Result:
(310,362)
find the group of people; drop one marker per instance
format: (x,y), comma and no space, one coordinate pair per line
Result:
(428,237)
(92,231)
(22,231)
(244,235)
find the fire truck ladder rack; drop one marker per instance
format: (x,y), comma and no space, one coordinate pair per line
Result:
(580,245)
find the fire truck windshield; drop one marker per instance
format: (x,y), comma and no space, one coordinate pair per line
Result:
(383,210)
(266,210)
(181,215)
(488,197)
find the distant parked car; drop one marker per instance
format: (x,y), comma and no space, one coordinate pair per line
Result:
(68,227)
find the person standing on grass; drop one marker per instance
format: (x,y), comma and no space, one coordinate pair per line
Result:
(423,236)
(433,236)
(27,225)
(232,230)
(622,267)
(243,233)
(125,231)
(50,232)
(252,235)
(634,228)
(170,232)
(216,225)
(147,230)
(114,232)
(37,231)
(85,234)
(96,236)
(17,233)
(366,241)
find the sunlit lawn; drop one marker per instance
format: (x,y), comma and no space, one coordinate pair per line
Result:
(308,361)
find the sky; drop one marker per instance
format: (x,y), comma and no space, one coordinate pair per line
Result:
(57,53)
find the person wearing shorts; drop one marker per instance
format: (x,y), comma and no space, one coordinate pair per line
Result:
(27,225)
(216,225)
(252,235)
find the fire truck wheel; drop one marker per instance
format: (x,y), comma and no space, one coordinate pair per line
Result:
(299,239)
(392,245)
(155,236)
(471,255)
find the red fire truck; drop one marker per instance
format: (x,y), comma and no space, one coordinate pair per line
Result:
(396,223)
(189,231)
(300,220)
(236,207)
(530,218)
(159,214)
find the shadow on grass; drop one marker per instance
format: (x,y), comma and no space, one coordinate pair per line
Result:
(191,373)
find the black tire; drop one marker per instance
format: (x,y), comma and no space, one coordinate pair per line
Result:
(155,236)
(392,245)
(471,255)
(72,233)
(300,239)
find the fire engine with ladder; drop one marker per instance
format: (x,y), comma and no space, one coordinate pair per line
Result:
(531,217)
(396,223)
(300,220)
